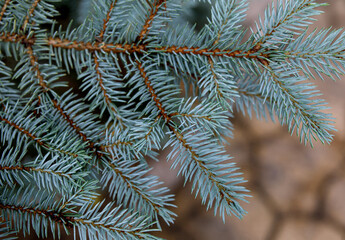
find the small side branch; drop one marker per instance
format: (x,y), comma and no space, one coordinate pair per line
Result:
(154,10)
(24,131)
(35,65)
(17,38)
(3,9)
(106,20)
(181,139)
(32,169)
(30,14)
(55,216)
(130,184)
(74,125)
(153,93)
(34,138)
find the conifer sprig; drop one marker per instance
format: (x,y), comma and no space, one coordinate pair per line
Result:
(131,59)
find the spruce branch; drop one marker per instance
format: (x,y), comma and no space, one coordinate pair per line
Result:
(50,172)
(294,107)
(288,18)
(106,21)
(140,192)
(327,59)
(149,21)
(134,63)
(203,173)
(24,126)
(3,9)
(89,220)
(224,24)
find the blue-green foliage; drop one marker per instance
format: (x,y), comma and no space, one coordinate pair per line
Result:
(135,68)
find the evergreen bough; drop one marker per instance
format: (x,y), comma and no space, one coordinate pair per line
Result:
(146,83)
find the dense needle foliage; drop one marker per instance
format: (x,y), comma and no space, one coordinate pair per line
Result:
(145,83)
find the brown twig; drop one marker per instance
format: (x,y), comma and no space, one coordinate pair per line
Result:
(30,14)
(106,20)
(154,10)
(35,65)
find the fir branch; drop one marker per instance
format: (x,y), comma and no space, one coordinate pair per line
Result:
(34,62)
(90,144)
(88,219)
(132,60)
(147,134)
(22,130)
(77,116)
(221,29)
(149,20)
(224,23)
(328,58)
(107,98)
(203,165)
(72,123)
(142,48)
(95,47)
(32,169)
(23,206)
(54,216)
(220,95)
(3,9)
(293,106)
(208,116)
(114,228)
(286,20)
(146,197)
(217,84)
(50,172)
(153,93)
(78,196)
(30,13)
(41,77)
(37,126)
(205,175)
(35,66)
(121,144)
(17,38)
(150,131)
(106,20)
(253,53)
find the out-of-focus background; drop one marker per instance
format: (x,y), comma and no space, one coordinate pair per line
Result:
(298,192)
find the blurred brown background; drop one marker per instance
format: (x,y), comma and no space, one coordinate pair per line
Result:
(298,192)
